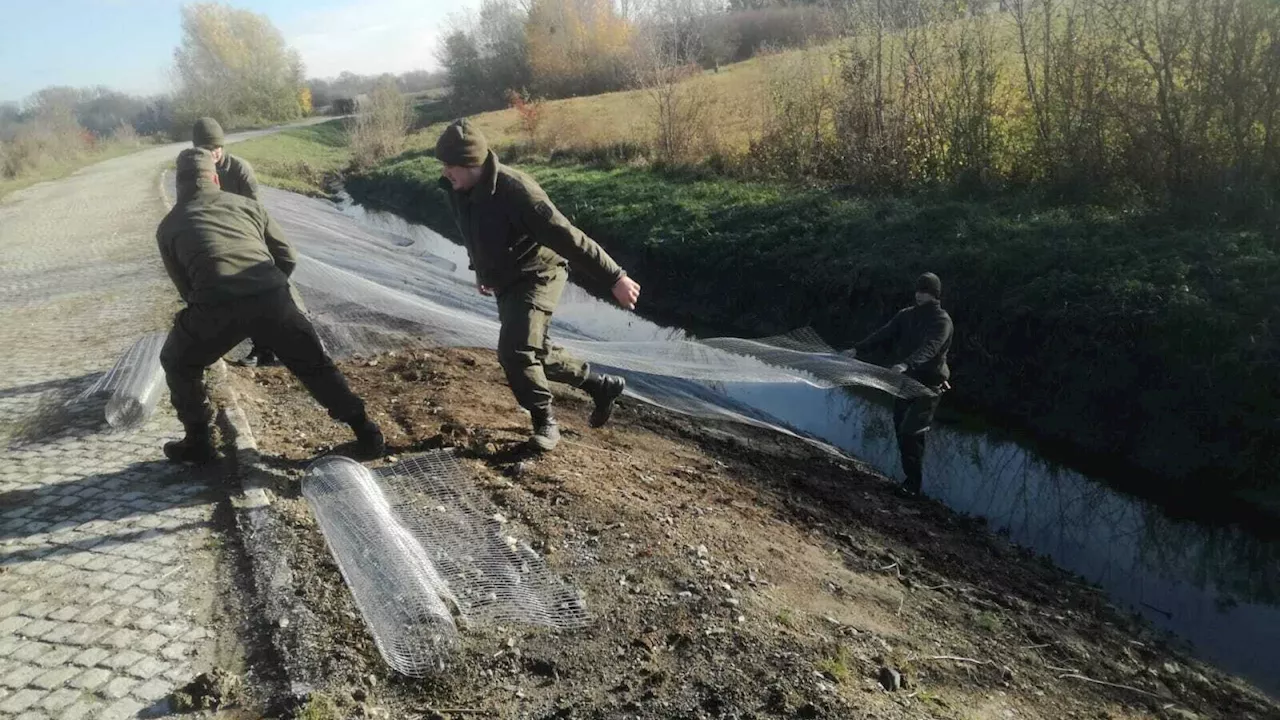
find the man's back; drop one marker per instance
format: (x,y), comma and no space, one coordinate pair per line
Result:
(219,246)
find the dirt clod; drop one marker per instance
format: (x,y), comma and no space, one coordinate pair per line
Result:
(890,679)
(212,690)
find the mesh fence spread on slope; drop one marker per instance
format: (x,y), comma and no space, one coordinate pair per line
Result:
(422,552)
(356,315)
(371,289)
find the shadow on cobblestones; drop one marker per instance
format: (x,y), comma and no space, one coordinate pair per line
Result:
(100,511)
(32,413)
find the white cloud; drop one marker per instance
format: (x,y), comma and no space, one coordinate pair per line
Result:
(372,37)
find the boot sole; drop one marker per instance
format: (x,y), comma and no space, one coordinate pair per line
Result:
(602,414)
(543,445)
(198,462)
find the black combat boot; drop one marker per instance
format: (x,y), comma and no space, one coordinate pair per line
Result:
(260,357)
(195,449)
(604,390)
(370,444)
(266,357)
(546,433)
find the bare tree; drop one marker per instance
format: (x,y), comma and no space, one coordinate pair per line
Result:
(378,130)
(680,113)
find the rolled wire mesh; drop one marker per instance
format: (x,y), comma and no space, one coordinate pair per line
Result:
(422,552)
(134,384)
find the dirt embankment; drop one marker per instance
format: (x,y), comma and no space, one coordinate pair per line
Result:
(731,573)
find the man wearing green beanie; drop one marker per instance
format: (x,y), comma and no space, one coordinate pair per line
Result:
(920,336)
(236,176)
(520,246)
(231,265)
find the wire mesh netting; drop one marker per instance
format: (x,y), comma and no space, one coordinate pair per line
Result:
(423,553)
(133,385)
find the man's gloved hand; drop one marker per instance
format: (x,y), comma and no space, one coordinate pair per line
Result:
(899,368)
(851,353)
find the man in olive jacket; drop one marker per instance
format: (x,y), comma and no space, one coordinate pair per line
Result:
(921,338)
(231,265)
(235,175)
(519,246)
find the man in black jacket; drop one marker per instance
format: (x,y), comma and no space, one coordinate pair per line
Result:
(920,337)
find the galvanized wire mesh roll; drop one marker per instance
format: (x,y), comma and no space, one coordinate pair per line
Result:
(407,606)
(134,384)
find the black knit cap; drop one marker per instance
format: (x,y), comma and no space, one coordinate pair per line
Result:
(929,283)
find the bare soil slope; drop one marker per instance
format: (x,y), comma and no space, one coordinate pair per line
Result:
(732,574)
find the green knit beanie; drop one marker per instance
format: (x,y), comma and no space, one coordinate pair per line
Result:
(462,145)
(195,164)
(207,133)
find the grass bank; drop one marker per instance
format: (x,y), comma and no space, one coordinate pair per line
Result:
(56,170)
(1120,333)
(299,159)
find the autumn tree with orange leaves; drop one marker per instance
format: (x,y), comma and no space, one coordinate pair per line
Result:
(577,47)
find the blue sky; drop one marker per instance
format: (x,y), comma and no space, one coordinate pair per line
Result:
(128,44)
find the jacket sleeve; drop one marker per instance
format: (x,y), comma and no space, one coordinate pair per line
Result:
(249,181)
(936,335)
(176,273)
(548,227)
(888,333)
(281,251)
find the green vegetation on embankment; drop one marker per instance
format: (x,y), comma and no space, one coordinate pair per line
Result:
(298,159)
(57,168)
(1121,333)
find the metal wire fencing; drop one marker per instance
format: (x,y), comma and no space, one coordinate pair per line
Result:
(133,385)
(424,555)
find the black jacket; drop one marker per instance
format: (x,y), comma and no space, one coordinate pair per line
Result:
(921,338)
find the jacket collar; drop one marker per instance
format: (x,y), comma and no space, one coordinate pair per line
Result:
(489,180)
(193,189)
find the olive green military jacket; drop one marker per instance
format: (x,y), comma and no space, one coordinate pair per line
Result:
(236,176)
(512,231)
(217,246)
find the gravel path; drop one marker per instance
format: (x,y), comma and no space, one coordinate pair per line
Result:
(106,558)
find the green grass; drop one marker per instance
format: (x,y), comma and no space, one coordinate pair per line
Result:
(59,170)
(989,622)
(1125,333)
(837,666)
(319,707)
(299,159)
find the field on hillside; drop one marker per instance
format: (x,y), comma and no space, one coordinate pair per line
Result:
(740,98)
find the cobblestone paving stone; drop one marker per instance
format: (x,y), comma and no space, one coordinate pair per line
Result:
(99,612)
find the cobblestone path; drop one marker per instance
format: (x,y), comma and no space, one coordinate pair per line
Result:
(106,552)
